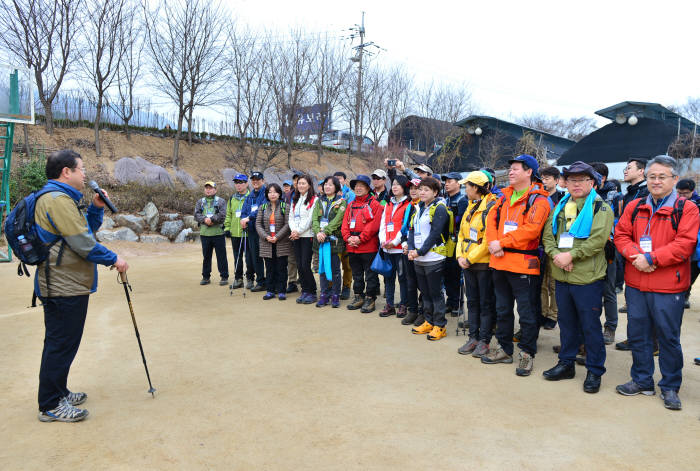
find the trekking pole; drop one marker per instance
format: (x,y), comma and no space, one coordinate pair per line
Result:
(235,268)
(245,249)
(127,287)
(462,315)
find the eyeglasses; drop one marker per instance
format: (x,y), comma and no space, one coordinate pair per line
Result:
(661,178)
(577,180)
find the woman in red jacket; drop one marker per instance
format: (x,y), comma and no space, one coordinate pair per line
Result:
(360,228)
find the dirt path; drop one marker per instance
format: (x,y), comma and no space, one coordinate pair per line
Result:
(251,384)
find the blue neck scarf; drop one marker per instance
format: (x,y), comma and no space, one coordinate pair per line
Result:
(581,228)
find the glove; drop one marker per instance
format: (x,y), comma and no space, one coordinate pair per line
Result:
(227,233)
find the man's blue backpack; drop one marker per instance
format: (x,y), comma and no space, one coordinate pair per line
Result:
(21,233)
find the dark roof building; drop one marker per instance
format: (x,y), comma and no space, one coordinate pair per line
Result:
(420,134)
(638,129)
(491,142)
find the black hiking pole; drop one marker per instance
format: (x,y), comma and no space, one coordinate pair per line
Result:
(235,268)
(462,314)
(127,287)
(245,249)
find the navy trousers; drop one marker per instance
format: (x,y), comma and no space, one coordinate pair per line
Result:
(398,269)
(481,306)
(64,319)
(511,288)
(579,313)
(662,312)
(218,244)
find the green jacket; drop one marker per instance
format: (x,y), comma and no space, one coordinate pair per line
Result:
(233,214)
(335,220)
(588,254)
(214,208)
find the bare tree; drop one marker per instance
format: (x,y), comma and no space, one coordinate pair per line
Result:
(129,70)
(441,105)
(41,33)
(574,128)
(399,91)
(374,101)
(103,51)
(290,64)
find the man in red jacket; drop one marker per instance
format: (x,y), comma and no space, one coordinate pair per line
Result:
(360,231)
(656,236)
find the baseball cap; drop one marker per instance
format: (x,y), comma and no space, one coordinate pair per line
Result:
(240,177)
(379,173)
(528,160)
(452,175)
(287,182)
(210,183)
(581,168)
(478,178)
(257,175)
(423,168)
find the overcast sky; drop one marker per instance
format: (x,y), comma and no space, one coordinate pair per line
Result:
(555,57)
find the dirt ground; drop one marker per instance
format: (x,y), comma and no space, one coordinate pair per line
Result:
(249,384)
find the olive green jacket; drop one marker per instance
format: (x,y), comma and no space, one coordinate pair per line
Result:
(588,254)
(335,220)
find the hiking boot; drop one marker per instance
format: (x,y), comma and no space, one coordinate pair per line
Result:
(300,299)
(671,399)
(401,311)
(387,311)
(623,309)
(64,412)
(310,298)
(496,356)
(581,355)
(624,346)
(335,301)
(468,347)
(618,289)
(356,302)
(292,288)
(257,288)
(525,364)
(249,284)
(237,284)
(556,348)
(482,348)
(424,328)
(454,311)
(549,324)
(419,320)
(368,305)
(592,383)
(268,295)
(205,281)
(345,293)
(632,389)
(560,371)
(517,335)
(609,335)
(75,399)
(223,282)
(463,324)
(437,333)
(323,300)
(282,297)
(410,318)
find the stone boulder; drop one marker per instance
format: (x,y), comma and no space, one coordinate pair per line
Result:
(190,222)
(185,178)
(107,223)
(171,216)
(154,239)
(138,170)
(171,229)
(123,233)
(151,216)
(135,223)
(184,236)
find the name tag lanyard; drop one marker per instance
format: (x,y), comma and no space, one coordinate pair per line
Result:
(645,240)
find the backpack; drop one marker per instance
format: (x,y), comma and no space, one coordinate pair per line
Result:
(676,214)
(283,207)
(530,201)
(609,248)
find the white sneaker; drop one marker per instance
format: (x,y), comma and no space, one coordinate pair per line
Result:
(75,399)
(64,412)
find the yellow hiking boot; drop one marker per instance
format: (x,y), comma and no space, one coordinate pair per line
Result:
(424,328)
(437,333)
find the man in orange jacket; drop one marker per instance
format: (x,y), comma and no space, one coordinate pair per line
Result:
(513,232)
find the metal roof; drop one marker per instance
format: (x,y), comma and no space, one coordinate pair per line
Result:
(643,109)
(478,119)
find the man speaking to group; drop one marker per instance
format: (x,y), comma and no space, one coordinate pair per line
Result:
(65,280)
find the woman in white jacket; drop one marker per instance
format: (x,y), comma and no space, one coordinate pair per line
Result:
(302,235)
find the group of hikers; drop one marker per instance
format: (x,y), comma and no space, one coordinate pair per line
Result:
(558,244)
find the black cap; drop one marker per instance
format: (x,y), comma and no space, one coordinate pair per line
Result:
(453,175)
(581,168)
(258,175)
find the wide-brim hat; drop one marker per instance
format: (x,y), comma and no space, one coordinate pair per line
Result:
(362,179)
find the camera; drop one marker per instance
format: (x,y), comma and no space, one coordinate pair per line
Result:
(391,162)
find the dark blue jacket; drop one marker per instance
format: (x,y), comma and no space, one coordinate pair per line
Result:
(255,198)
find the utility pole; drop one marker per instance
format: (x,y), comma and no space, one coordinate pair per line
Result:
(359,30)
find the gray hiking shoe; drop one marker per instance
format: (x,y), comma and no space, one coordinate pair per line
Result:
(64,412)
(631,388)
(468,347)
(75,399)
(609,335)
(671,399)
(525,364)
(497,356)
(481,349)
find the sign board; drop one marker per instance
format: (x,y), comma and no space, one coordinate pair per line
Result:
(16,94)
(309,119)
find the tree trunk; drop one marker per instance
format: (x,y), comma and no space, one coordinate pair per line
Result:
(126,129)
(289,155)
(176,145)
(98,115)
(189,126)
(26,140)
(48,113)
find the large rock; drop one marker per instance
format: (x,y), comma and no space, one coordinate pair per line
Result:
(107,223)
(185,178)
(135,223)
(184,236)
(138,170)
(171,229)
(151,216)
(123,233)
(171,216)
(190,222)
(154,239)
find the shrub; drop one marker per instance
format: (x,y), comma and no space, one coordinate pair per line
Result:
(27,176)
